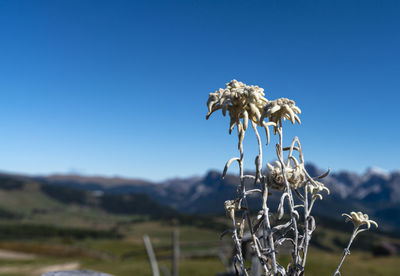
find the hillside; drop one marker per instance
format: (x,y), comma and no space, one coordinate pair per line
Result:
(102,228)
(31,202)
(375,192)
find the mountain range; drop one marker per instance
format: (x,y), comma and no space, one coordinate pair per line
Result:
(375,192)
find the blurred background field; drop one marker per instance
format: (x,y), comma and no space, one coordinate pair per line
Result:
(127,255)
(46,226)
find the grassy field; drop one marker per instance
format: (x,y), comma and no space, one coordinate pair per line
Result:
(127,256)
(320,263)
(43,234)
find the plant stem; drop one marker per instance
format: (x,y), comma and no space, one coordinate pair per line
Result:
(244,199)
(238,244)
(306,234)
(267,225)
(346,251)
(291,201)
(237,241)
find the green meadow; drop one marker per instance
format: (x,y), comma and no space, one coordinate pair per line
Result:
(127,255)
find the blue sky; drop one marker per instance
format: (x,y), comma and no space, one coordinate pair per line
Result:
(119,87)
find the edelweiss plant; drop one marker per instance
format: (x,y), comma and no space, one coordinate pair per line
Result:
(358,220)
(287,175)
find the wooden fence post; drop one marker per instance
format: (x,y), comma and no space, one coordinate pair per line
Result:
(152,256)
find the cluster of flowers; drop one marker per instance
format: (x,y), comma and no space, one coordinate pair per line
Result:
(240,100)
(294,175)
(358,219)
(246,103)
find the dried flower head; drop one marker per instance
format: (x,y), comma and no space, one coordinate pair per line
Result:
(230,206)
(316,188)
(240,227)
(240,100)
(294,175)
(279,109)
(359,219)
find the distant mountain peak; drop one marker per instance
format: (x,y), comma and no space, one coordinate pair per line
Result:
(376,171)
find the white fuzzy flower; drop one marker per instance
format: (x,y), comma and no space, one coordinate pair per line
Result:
(240,100)
(230,206)
(294,175)
(279,109)
(359,219)
(316,188)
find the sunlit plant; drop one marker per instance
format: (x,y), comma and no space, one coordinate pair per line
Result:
(287,175)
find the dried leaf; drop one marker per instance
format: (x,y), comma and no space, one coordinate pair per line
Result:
(281,204)
(228,164)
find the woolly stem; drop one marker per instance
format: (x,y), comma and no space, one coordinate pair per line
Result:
(267,225)
(346,251)
(295,254)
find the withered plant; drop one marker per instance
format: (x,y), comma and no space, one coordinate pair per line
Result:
(247,105)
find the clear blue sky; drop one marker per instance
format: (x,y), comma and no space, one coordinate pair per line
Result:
(119,87)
